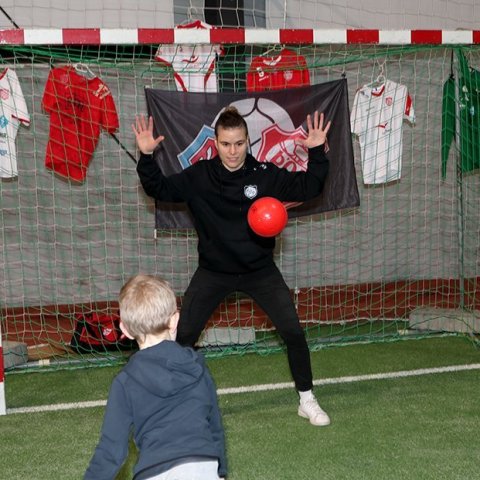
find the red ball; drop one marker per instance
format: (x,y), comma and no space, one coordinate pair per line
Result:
(267,216)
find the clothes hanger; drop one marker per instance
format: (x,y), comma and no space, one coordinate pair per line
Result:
(380,80)
(83,69)
(275,49)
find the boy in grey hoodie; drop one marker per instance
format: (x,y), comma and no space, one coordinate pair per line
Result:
(164,396)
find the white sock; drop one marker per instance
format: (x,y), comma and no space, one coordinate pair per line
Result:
(304,396)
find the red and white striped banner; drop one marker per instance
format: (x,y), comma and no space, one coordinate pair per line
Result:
(108,36)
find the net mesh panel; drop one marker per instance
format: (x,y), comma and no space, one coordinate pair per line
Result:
(357,275)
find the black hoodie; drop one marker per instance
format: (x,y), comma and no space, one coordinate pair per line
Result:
(166,397)
(219,201)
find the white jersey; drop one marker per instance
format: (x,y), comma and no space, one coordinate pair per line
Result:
(13,112)
(193,66)
(377,118)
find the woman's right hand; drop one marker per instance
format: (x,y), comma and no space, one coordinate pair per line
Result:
(144,135)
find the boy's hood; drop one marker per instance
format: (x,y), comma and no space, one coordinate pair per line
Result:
(165,369)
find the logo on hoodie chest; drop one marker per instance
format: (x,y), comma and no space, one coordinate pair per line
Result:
(250,191)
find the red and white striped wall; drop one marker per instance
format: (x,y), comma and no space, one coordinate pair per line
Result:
(105,36)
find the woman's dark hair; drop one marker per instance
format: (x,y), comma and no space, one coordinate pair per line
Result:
(230,118)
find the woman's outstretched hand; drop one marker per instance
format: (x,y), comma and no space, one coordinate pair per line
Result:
(144,135)
(317,133)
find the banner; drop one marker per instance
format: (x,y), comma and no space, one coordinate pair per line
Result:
(276,120)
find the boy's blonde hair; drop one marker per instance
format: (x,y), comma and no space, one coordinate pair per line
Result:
(146,305)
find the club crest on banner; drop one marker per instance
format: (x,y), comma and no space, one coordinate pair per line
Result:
(201,148)
(283,149)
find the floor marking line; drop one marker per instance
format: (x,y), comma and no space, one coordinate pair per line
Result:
(268,386)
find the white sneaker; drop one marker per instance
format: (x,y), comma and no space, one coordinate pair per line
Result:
(311,409)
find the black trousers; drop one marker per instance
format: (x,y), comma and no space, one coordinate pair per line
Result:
(269,290)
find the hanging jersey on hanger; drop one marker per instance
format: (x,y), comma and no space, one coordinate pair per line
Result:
(193,66)
(13,114)
(377,118)
(285,70)
(79,108)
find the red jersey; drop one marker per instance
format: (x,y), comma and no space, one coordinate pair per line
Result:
(79,107)
(286,70)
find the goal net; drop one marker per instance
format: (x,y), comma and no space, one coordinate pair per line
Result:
(406,261)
